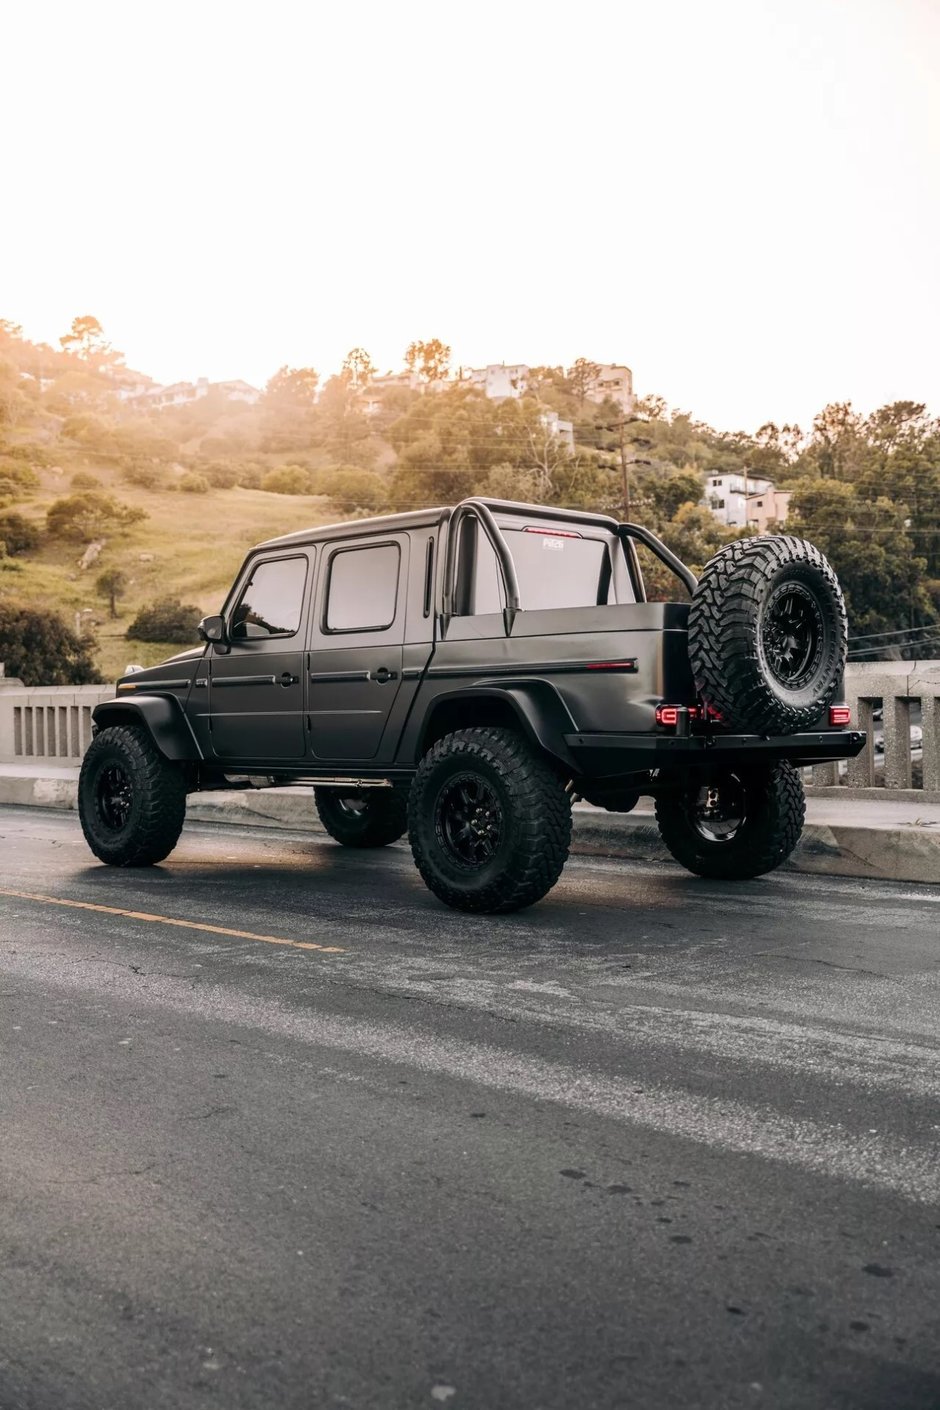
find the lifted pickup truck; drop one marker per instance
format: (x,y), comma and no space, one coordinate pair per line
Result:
(464,674)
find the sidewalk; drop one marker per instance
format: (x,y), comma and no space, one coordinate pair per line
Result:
(886,840)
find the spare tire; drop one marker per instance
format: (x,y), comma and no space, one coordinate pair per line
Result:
(767,634)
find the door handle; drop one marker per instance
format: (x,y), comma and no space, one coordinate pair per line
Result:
(288,679)
(383,674)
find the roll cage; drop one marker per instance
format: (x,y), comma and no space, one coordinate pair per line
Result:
(483,511)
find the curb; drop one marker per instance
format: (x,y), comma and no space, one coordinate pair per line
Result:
(879,851)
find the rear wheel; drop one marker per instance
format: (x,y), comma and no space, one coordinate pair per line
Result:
(736,825)
(489,821)
(370,818)
(131,800)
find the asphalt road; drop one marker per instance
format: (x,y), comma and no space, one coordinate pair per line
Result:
(656,1142)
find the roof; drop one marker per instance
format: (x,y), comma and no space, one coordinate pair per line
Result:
(423,518)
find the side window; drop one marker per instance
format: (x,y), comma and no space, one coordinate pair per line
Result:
(272,600)
(362,592)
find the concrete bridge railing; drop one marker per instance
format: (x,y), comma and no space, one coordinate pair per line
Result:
(897,703)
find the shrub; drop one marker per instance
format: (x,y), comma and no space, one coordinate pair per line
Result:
(81,480)
(166,620)
(351,489)
(221,475)
(17,533)
(37,646)
(289,479)
(142,473)
(191,483)
(86,516)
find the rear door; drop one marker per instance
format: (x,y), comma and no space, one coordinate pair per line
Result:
(357,650)
(256,681)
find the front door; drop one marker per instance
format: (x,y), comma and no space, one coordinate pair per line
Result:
(256,680)
(356,648)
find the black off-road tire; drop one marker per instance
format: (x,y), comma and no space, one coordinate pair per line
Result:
(774,809)
(525,819)
(372,818)
(739,640)
(131,800)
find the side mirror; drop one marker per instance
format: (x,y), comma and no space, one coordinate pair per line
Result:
(212,629)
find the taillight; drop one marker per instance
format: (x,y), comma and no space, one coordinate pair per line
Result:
(840,715)
(667,715)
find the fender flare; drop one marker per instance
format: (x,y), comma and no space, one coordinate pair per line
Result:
(542,714)
(162,716)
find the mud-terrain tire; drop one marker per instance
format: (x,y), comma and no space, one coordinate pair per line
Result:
(743,824)
(131,800)
(767,634)
(489,821)
(373,817)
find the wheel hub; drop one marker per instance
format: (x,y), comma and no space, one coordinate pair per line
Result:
(718,810)
(114,797)
(792,635)
(468,820)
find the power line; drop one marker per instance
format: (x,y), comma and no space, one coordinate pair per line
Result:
(902,631)
(898,646)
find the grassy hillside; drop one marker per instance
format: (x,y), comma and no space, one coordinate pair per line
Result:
(197,542)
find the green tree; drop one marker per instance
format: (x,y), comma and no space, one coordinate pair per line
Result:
(80,518)
(429,360)
(111,584)
(582,375)
(40,649)
(867,542)
(293,386)
(85,339)
(289,479)
(358,368)
(19,534)
(166,620)
(351,489)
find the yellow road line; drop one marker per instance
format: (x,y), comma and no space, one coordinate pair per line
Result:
(172,920)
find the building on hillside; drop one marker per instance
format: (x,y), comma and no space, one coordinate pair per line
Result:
(612,382)
(498,380)
(727,496)
(129,384)
(184,393)
(767,507)
(559,430)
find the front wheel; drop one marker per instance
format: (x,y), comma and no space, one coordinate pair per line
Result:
(131,800)
(736,825)
(370,818)
(489,821)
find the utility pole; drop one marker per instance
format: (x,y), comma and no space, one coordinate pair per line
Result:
(625,463)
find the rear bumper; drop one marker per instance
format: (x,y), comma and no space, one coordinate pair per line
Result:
(603,754)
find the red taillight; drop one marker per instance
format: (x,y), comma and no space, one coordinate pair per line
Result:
(840,715)
(552,533)
(667,715)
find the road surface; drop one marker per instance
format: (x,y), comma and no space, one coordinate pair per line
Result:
(292,1134)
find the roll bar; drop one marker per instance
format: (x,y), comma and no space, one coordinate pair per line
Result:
(480,510)
(664,554)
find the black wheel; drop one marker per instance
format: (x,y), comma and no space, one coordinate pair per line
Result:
(373,817)
(489,821)
(736,825)
(131,800)
(767,634)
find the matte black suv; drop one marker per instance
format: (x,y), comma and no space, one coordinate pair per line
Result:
(463,674)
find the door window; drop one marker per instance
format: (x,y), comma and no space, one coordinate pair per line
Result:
(272,601)
(362,593)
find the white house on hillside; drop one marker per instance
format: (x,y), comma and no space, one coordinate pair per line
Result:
(727,495)
(498,380)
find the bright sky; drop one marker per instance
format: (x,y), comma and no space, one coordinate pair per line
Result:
(738,198)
